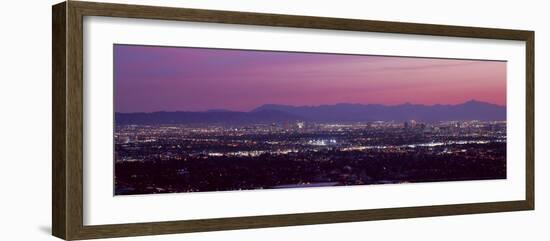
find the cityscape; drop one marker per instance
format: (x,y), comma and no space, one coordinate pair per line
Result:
(203,119)
(182,158)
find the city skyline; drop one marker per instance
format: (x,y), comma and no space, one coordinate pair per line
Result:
(149,79)
(175,158)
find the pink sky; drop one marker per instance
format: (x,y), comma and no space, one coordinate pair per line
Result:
(151,79)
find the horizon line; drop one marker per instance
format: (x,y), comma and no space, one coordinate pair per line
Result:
(297,106)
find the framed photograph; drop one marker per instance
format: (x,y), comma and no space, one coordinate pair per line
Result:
(171,120)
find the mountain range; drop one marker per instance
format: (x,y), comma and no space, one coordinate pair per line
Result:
(343,112)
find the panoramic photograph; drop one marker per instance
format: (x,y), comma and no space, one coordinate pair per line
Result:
(204,119)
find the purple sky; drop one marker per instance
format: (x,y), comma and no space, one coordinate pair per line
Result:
(151,79)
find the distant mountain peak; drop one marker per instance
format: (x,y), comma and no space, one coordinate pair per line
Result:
(474,101)
(478,102)
(341,112)
(271,107)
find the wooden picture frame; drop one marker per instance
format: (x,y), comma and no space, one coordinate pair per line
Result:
(67,152)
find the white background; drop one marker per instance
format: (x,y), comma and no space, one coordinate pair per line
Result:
(25,123)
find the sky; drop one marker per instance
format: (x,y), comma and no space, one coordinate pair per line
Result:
(151,78)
